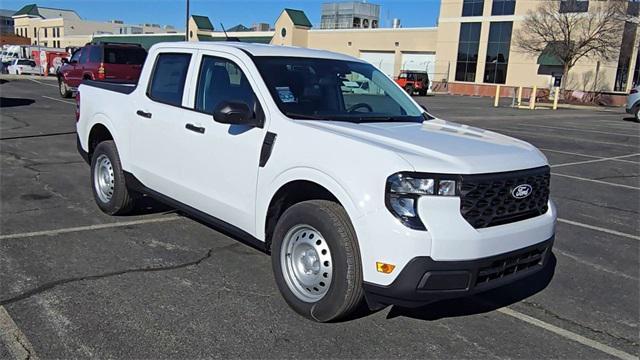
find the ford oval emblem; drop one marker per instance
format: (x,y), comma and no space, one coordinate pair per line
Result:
(521,191)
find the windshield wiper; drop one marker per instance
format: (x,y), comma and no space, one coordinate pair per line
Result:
(304,116)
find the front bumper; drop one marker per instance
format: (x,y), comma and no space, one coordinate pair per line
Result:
(424,280)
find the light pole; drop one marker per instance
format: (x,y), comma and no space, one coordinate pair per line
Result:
(186,29)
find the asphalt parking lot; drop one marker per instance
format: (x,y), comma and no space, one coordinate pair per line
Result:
(75,283)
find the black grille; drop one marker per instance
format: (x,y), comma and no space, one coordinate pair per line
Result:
(510,265)
(487,200)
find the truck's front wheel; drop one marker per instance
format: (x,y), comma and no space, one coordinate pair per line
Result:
(64,89)
(109,189)
(316,260)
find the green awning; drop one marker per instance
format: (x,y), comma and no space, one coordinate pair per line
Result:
(202,22)
(298,17)
(549,56)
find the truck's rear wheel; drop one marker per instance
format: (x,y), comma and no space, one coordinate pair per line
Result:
(316,260)
(109,188)
(64,89)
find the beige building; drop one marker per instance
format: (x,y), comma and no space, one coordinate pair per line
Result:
(475,51)
(470,52)
(391,49)
(60,28)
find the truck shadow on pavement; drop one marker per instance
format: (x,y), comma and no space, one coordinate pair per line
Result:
(484,302)
(6,102)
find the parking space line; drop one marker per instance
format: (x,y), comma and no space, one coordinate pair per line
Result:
(597,228)
(595,160)
(13,338)
(43,83)
(593,265)
(597,181)
(562,137)
(583,130)
(568,334)
(585,155)
(89,227)
(62,101)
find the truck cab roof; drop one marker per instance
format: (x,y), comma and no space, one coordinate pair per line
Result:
(257,49)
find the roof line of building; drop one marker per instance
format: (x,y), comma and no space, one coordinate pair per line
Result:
(129,35)
(375,29)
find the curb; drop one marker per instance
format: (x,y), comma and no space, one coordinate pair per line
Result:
(27,77)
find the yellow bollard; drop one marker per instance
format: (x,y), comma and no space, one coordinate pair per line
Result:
(519,96)
(532,101)
(497,101)
(555,98)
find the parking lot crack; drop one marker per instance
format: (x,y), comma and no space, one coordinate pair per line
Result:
(50,285)
(550,313)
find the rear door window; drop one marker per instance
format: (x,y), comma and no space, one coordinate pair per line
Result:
(95,56)
(168,78)
(84,56)
(124,55)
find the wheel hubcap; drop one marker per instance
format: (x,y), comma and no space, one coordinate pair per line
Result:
(306,263)
(103,178)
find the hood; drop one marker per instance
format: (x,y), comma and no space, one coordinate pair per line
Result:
(441,146)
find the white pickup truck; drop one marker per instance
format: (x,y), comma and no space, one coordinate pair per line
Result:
(324,162)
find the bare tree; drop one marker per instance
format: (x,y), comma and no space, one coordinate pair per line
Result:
(571,36)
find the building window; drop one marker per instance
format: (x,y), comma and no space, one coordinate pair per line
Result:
(468,51)
(46,35)
(495,69)
(35,32)
(574,6)
(624,61)
(503,7)
(472,7)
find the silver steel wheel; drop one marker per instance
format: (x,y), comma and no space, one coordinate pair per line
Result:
(103,178)
(63,88)
(306,263)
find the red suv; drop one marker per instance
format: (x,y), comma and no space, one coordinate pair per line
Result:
(105,61)
(414,81)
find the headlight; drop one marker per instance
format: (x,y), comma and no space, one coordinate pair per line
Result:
(404,190)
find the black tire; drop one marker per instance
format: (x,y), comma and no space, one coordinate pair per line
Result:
(345,291)
(64,89)
(637,112)
(121,201)
(409,89)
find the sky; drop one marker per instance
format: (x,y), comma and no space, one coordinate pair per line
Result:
(413,13)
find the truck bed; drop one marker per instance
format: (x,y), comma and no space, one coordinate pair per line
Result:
(119,87)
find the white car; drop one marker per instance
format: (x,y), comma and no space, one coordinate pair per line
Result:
(356,196)
(23,66)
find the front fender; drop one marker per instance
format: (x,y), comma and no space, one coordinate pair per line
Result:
(302,174)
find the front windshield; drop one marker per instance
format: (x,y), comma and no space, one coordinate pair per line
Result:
(326,89)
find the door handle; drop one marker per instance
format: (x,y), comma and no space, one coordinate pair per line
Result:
(144,114)
(198,129)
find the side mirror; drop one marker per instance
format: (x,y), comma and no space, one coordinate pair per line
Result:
(235,113)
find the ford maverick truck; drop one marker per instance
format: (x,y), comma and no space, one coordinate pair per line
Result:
(324,162)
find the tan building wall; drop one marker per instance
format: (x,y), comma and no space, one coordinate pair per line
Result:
(523,69)
(63,32)
(356,41)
